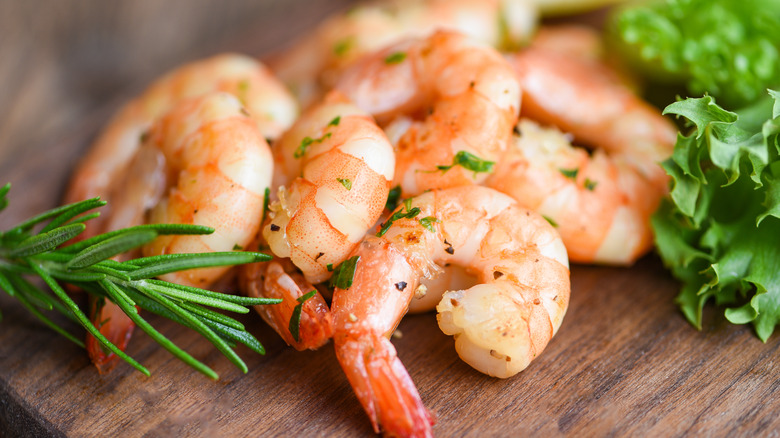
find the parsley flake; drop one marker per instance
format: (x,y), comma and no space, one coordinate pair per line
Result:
(428,222)
(295,319)
(308,141)
(590,184)
(468,161)
(342,46)
(570,173)
(344,273)
(410,213)
(395,58)
(335,122)
(347,183)
(392,198)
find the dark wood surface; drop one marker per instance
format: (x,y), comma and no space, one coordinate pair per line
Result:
(625,362)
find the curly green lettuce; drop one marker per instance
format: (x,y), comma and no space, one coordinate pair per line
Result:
(729,49)
(719,230)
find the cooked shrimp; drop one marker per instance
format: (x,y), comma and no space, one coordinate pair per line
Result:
(581,99)
(275,280)
(499,325)
(314,63)
(222,166)
(466,98)
(345,163)
(211,167)
(601,204)
(272,108)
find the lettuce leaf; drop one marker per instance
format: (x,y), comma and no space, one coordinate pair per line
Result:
(719,229)
(729,49)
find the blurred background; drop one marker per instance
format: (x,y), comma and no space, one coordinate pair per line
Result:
(67,65)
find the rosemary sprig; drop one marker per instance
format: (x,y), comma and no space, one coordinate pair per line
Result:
(88,264)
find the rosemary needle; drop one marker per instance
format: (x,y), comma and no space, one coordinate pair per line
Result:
(88,264)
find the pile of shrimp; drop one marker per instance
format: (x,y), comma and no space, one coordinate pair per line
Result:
(401,100)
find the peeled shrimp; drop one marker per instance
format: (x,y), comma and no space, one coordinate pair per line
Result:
(313,65)
(499,325)
(601,204)
(210,166)
(444,97)
(118,151)
(345,163)
(221,167)
(272,108)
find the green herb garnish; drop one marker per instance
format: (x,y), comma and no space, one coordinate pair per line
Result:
(308,141)
(428,222)
(335,122)
(410,213)
(719,229)
(88,265)
(393,197)
(590,184)
(551,221)
(344,273)
(570,173)
(395,58)
(727,48)
(295,319)
(347,183)
(468,161)
(342,46)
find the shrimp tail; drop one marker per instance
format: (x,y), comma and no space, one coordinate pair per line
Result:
(271,280)
(383,385)
(114,325)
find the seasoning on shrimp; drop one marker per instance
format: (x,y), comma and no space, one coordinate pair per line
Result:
(345,163)
(500,325)
(202,163)
(601,204)
(448,107)
(314,64)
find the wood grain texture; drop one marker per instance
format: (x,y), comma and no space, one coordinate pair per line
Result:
(624,363)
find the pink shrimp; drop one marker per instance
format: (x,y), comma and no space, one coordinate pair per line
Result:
(465,99)
(313,65)
(499,325)
(345,163)
(211,167)
(118,151)
(601,204)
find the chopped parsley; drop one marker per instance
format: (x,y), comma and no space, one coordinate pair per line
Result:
(395,58)
(237,247)
(551,221)
(308,141)
(410,213)
(428,222)
(590,184)
(335,122)
(295,319)
(266,200)
(393,197)
(344,273)
(342,46)
(347,183)
(570,173)
(468,161)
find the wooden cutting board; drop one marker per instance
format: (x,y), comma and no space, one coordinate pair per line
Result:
(625,362)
